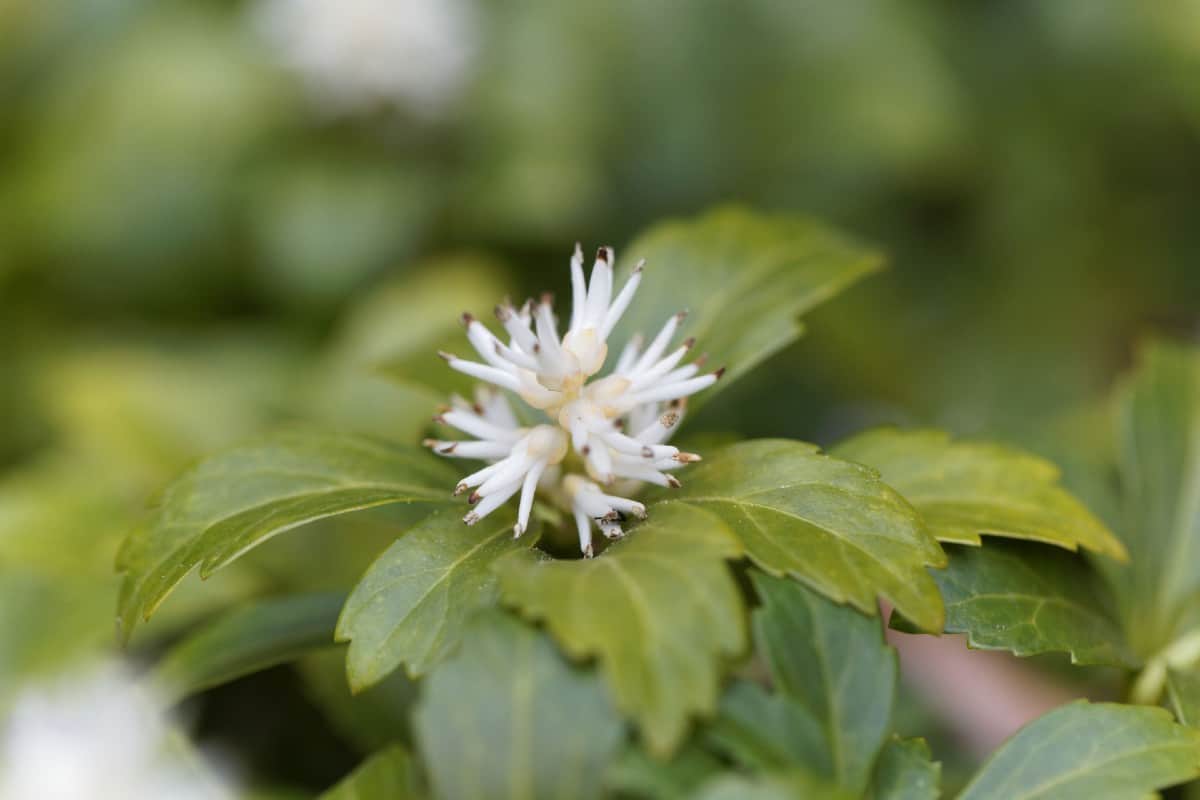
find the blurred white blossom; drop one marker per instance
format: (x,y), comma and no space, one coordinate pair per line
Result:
(99,736)
(357,55)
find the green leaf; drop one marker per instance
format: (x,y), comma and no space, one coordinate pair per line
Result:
(1158,443)
(1183,691)
(507,717)
(905,771)
(658,608)
(413,603)
(834,662)
(1090,751)
(233,502)
(743,277)
(782,786)
(387,775)
(369,720)
(829,523)
(248,640)
(636,774)
(766,732)
(1029,599)
(964,489)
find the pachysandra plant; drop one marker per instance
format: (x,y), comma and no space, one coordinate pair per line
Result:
(722,638)
(616,425)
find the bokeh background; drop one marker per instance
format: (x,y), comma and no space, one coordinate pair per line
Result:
(210,212)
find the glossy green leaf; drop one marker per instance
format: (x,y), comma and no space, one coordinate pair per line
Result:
(233,502)
(659,609)
(1183,693)
(387,775)
(248,640)
(830,523)
(1030,599)
(834,662)
(508,717)
(743,277)
(964,489)
(1085,751)
(905,771)
(413,603)
(1158,443)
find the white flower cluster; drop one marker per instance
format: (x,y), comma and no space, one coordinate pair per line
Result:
(99,736)
(617,425)
(356,55)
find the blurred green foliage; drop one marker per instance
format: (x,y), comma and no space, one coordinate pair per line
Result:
(192,250)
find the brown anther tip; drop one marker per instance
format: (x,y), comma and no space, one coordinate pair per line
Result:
(611,516)
(467,318)
(446,356)
(669,419)
(719,373)
(462,487)
(503,312)
(473,498)
(430,443)
(673,482)
(676,403)
(588,552)
(448,449)
(537,347)
(681,315)
(686,458)
(547,298)
(619,424)
(471,519)
(439,419)
(689,342)
(477,408)
(701,360)
(586,450)
(647,452)
(638,267)
(613,532)
(602,254)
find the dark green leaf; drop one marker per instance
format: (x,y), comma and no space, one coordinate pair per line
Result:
(507,717)
(248,640)
(834,662)
(743,277)
(659,609)
(232,502)
(964,489)
(830,523)
(1029,599)
(637,774)
(387,775)
(768,732)
(781,786)
(414,601)
(1183,692)
(905,772)
(1085,751)
(369,720)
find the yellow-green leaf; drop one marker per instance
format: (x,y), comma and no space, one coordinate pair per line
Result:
(387,775)
(659,610)
(413,603)
(830,523)
(233,502)
(964,489)
(248,640)
(743,277)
